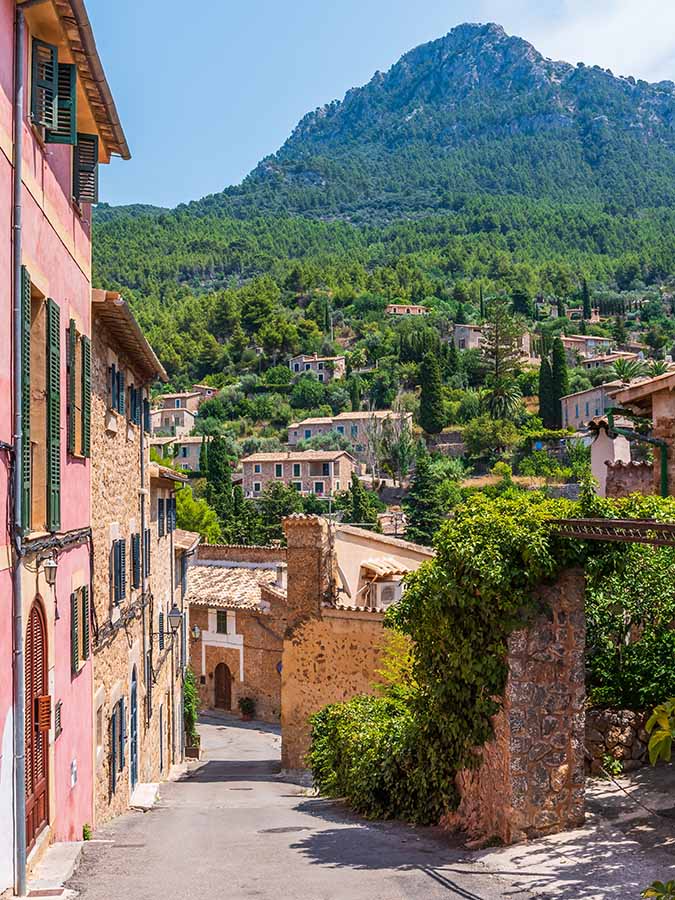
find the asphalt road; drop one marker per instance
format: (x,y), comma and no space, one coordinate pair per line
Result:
(235,830)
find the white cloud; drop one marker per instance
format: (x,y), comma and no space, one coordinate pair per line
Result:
(629,37)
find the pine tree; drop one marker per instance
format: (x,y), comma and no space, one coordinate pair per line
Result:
(546,393)
(360,505)
(619,332)
(559,379)
(432,413)
(482,304)
(500,347)
(423,506)
(561,308)
(355,392)
(586,297)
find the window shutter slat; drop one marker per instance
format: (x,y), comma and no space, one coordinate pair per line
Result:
(116,570)
(113,386)
(113,751)
(54,415)
(121,398)
(72,346)
(123,732)
(146,415)
(161,630)
(74,630)
(85,169)
(86,396)
(25,401)
(85,622)
(160,517)
(136,559)
(65,131)
(44,87)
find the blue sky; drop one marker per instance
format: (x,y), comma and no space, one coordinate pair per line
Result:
(206,89)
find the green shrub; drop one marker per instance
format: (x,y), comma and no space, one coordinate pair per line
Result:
(190,704)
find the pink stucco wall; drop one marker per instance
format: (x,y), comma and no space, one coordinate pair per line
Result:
(57,251)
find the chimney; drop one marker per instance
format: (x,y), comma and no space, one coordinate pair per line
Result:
(310,564)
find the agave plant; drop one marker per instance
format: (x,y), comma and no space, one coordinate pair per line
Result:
(657,367)
(628,369)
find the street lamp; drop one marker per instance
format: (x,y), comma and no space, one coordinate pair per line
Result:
(175,618)
(196,632)
(49,567)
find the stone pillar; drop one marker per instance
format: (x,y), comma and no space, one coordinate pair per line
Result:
(663,416)
(310,566)
(531,780)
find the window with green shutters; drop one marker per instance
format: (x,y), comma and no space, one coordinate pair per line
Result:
(25,401)
(80,614)
(119,554)
(118,737)
(44,85)
(146,415)
(72,387)
(146,553)
(79,392)
(136,560)
(53,416)
(85,169)
(148,684)
(160,630)
(86,615)
(160,518)
(65,131)
(86,396)
(121,396)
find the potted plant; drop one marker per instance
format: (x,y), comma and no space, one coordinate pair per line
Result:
(246,708)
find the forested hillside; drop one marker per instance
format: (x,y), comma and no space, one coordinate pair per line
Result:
(473,164)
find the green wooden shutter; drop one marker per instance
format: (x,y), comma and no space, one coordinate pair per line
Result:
(86,396)
(113,386)
(74,631)
(25,401)
(146,542)
(123,731)
(85,621)
(65,131)
(160,517)
(136,559)
(72,349)
(113,750)
(121,397)
(85,169)
(44,87)
(123,568)
(146,415)
(116,570)
(53,416)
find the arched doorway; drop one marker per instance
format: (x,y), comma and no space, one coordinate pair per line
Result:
(223,678)
(133,742)
(37,738)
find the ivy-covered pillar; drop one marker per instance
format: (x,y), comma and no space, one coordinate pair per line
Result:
(531,780)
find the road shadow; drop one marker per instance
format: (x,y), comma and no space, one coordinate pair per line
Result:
(222,720)
(223,770)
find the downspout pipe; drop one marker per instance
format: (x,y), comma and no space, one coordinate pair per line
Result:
(19,718)
(632,435)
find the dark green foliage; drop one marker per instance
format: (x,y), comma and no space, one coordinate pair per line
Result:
(587,309)
(219,479)
(190,705)
(203,458)
(559,381)
(432,413)
(277,501)
(360,506)
(546,404)
(422,505)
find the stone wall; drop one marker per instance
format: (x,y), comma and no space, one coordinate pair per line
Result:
(617,733)
(234,553)
(325,660)
(531,781)
(628,478)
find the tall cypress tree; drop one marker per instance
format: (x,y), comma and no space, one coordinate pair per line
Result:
(219,480)
(432,414)
(203,458)
(423,506)
(546,393)
(559,378)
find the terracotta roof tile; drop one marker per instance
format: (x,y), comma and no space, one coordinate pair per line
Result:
(226,587)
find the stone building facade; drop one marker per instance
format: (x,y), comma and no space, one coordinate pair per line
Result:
(326,368)
(319,472)
(138,660)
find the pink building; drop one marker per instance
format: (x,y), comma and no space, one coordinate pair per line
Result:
(320,472)
(57,123)
(326,368)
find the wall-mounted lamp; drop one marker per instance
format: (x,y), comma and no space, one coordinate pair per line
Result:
(196,632)
(175,618)
(49,567)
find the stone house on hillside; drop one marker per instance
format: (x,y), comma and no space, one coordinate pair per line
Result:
(178,422)
(183,400)
(139,571)
(362,428)
(580,408)
(470,337)
(406,309)
(319,472)
(184,451)
(326,368)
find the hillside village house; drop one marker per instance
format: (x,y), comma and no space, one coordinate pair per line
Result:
(581,346)
(239,612)
(206,391)
(183,400)
(326,368)
(184,451)
(138,574)
(470,337)
(49,158)
(360,427)
(578,409)
(177,421)
(406,309)
(604,360)
(320,472)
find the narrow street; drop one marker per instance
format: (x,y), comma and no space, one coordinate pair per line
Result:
(235,830)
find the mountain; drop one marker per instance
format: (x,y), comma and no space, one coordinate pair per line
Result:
(477,111)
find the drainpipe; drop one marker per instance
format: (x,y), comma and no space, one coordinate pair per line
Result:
(18,667)
(632,435)
(144,577)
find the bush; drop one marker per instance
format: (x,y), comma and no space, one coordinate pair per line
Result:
(190,705)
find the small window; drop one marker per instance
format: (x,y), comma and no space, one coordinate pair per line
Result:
(298,486)
(296,367)
(320,367)
(354,431)
(119,555)
(256,487)
(184,452)
(296,470)
(321,377)
(340,429)
(99,728)
(79,628)
(337,485)
(257,468)
(58,719)
(278,470)
(307,367)
(177,404)
(308,433)
(221,621)
(325,469)
(319,487)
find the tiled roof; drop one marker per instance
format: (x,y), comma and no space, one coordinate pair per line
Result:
(227,587)
(297,456)
(383,566)
(185,540)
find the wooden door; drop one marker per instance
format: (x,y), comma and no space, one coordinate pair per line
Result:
(223,687)
(37,741)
